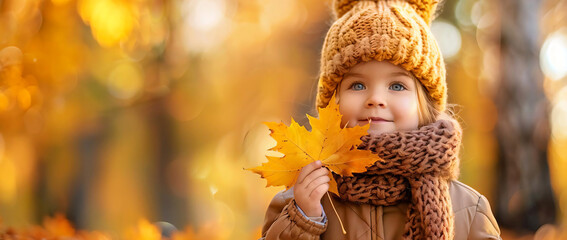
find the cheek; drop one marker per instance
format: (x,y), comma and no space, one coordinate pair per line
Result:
(406,112)
(346,114)
(348,111)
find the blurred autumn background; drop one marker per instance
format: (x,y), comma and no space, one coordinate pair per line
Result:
(128,115)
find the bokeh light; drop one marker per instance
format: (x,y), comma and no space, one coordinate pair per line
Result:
(476,12)
(110,21)
(448,36)
(125,81)
(463,13)
(559,115)
(553,55)
(7,180)
(205,15)
(205,24)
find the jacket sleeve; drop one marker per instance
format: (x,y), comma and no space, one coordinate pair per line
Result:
(484,225)
(284,221)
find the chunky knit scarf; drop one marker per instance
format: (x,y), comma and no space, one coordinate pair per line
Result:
(417,168)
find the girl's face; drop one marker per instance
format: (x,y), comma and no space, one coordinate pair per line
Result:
(381,92)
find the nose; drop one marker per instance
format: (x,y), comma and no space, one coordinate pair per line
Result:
(376,100)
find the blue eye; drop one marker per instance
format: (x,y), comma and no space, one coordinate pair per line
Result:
(397,87)
(357,86)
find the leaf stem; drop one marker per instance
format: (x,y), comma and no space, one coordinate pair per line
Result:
(334,209)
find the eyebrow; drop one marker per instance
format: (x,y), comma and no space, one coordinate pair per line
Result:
(401,74)
(394,74)
(349,74)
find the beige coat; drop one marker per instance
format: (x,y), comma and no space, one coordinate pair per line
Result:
(473,218)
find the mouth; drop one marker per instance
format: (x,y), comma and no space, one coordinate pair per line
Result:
(375,120)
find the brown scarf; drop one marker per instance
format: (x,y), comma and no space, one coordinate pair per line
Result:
(417,168)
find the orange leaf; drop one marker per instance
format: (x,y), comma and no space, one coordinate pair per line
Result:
(59,226)
(334,146)
(143,231)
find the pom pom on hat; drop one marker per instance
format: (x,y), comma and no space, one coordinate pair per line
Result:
(425,8)
(396,31)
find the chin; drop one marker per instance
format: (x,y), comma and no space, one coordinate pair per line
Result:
(380,131)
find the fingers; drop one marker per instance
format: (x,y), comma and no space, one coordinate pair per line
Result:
(318,192)
(316,185)
(314,175)
(312,183)
(318,180)
(305,171)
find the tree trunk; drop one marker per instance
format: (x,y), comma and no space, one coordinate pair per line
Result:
(525,198)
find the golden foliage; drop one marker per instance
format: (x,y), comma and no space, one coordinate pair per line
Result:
(143,231)
(57,227)
(207,231)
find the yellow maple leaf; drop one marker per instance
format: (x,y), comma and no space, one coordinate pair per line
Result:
(334,146)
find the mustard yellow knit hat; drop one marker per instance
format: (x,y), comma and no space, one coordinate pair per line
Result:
(396,31)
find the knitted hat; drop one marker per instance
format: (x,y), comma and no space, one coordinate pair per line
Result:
(396,31)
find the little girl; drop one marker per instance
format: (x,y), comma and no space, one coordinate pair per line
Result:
(383,64)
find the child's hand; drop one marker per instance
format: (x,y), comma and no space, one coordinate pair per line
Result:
(312,183)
